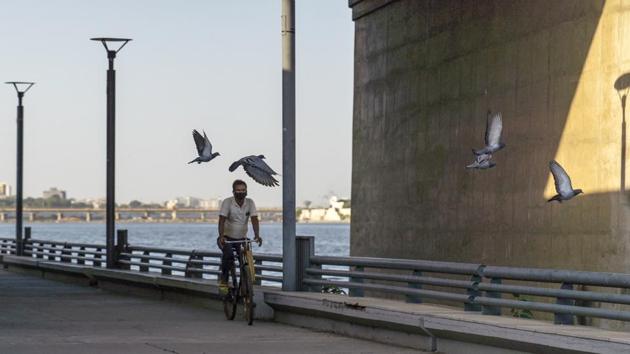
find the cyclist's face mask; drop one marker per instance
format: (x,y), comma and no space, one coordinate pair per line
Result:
(240,194)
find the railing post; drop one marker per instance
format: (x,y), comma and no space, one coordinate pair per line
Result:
(474,292)
(304,249)
(27,239)
(144,268)
(6,247)
(167,263)
(492,310)
(81,253)
(66,251)
(415,299)
(121,247)
(564,318)
(257,280)
(190,266)
(356,292)
(52,253)
(39,250)
(97,258)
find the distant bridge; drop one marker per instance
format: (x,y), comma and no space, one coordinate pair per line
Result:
(130,214)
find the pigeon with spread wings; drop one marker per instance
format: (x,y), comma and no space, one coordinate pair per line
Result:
(494,127)
(257,169)
(204,148)
(563,183)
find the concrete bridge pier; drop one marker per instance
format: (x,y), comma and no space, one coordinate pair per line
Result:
(202,216)
(117,216)
(3,216)
(59,216)
(146,214)
(31,217)
(174,215)
(88,216)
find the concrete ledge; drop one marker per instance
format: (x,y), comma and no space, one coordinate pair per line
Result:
(199,291)
(449,328)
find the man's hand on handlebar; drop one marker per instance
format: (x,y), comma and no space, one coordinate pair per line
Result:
(258,240)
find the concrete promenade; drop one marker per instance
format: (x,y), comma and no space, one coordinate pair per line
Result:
(45,316)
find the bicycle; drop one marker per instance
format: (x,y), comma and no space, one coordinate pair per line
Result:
(243,290)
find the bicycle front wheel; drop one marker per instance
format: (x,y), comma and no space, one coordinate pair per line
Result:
(248,295)
(230,300)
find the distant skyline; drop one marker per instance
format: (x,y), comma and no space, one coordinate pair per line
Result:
(210,65)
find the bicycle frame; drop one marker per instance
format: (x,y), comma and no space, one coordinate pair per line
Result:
(240,292)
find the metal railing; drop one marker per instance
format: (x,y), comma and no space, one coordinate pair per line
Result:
(7,245)
(167,261)
(489,290)
(66,252)
(478,287)
(193,263)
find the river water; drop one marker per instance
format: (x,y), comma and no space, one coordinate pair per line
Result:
(330,239)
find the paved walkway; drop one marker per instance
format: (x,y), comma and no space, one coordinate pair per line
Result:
(43,316)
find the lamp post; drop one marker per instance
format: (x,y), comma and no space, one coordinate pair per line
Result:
(111,144)
(21,88)
(622,85)
(289,277)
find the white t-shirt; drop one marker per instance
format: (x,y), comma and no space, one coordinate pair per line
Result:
(237,216)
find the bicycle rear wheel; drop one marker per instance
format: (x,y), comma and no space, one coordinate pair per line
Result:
(230,300)
(248,295)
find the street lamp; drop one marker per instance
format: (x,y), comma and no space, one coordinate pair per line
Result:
(622,85)
(20,88)
(289,276)
(111,142)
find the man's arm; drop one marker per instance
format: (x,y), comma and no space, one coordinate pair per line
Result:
(256,226)
(221,229)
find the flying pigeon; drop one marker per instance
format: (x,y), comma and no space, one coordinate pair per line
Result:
(563,183)
(494,126)
(204,148)
(257,169)
(482,162)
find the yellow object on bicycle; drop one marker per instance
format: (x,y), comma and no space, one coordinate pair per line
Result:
(249,257)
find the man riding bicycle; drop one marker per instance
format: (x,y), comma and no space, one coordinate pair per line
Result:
(233,227)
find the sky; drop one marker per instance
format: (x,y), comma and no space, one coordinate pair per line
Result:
(211,65)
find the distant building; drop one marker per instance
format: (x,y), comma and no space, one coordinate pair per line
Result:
(5,190)
(184,202)
(54,192)
(213,203)
(334,213)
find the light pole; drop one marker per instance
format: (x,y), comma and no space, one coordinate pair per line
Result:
(20,88)
(622,85)
(289,277)
(111,144)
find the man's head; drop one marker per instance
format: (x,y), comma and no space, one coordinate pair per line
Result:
(239,189)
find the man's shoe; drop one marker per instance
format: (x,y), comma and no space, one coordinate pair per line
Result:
(223,288)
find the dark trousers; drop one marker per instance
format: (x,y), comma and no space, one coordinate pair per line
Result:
(227,259)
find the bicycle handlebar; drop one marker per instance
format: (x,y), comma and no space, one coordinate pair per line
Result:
(240,241)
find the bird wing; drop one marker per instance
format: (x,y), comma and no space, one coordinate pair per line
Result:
(483,157)
(561,179)
(260,176)
(235,165)
(199,141)
(261,164)
(494,126)
(207,148)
